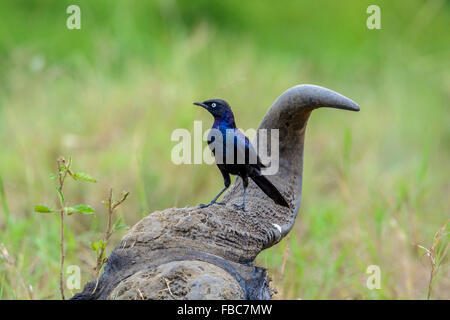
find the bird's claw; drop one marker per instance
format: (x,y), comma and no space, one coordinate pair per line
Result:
(239,206)
(202,205)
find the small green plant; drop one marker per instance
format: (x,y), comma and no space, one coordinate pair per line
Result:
(63,171)
(436,254)
(99,246)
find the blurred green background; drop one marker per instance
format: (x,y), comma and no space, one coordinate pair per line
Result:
(376,183)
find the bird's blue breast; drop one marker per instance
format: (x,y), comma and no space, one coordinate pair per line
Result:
(223,123)
(223,127)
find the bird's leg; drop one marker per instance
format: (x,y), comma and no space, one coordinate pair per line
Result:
(245,184)
(227,182)
(213,201)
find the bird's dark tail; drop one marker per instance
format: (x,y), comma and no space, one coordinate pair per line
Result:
(268,188)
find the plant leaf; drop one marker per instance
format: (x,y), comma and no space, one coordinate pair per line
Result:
(102,244)
(43,209)
(83,176)
(95,246)
(118,221)
(69,210)
(118,225)
(81,208)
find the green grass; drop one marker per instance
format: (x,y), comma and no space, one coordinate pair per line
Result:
(376,183)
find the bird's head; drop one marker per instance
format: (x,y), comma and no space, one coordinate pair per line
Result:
(217,107)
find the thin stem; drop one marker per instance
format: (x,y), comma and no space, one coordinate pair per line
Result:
(430,285)
(61,268)
(110,214)
(62,176)
(107,234)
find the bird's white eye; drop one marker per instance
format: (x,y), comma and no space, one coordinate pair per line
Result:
(213,105)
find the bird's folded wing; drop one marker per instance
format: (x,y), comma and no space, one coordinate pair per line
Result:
(244,148)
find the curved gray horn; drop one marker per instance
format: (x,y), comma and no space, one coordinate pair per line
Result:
(194,253)
(289,114)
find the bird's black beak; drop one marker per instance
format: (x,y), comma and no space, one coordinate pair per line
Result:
(201,104)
